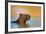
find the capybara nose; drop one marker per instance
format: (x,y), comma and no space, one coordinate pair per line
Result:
(28,18)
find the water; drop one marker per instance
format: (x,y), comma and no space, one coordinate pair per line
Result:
(31,23)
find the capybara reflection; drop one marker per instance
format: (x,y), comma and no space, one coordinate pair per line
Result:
(22,20)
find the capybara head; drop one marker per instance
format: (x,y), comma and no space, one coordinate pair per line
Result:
(25,16)
(22,19)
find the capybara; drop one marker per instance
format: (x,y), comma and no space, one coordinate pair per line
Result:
(22,20)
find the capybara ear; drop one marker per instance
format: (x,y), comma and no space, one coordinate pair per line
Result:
(20,14)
